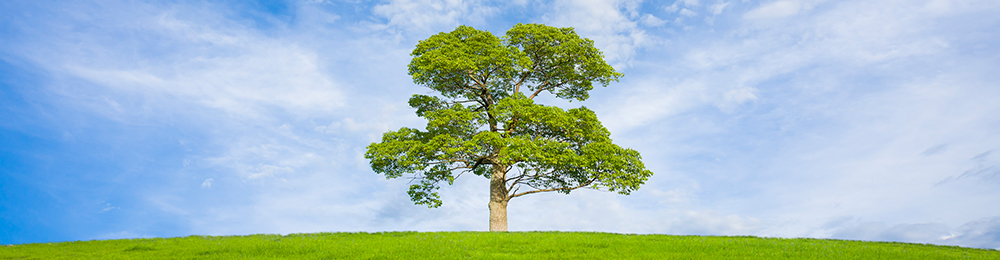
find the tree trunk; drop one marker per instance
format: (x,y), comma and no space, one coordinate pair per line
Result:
(498,198)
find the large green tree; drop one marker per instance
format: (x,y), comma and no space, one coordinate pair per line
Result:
(485,121)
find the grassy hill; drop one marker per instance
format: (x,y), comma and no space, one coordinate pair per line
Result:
(485,245)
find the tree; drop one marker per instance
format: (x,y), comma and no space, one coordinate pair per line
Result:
(482,122)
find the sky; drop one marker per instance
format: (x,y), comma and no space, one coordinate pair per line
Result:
(851,119)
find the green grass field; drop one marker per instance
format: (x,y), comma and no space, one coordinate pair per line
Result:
(485,245)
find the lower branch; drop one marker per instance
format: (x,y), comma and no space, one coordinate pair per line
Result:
(553,189)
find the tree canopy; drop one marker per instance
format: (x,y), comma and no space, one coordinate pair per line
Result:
(485,120)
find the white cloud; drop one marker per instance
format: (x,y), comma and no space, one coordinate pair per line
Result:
(688,13)
(209,63)
(689,2)
(429,16)
(723,68)
(776,9)
(650,100)
(347,124)
(672,8)
(971,234)
(608,22)
(108,207)
(718,7)
(652,21)
(265,170)
(979,233)
(740,95)
(186,68)
(680,4)
(318,2)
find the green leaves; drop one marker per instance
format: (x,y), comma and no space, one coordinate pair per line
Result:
(425,194)
(464,63)
(564,149)
(469,63)
(616,168)
(425,103)
(562,63)
(483,117)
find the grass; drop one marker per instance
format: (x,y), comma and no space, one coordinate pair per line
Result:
(485,245)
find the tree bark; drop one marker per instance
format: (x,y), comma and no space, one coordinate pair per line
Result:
(498,198)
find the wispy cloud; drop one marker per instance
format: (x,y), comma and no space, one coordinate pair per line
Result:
(431,16)
(973,233)
(612,24)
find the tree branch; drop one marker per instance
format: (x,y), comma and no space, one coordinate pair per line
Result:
(516,180)
(549,88)
(517,87)
(540,88)
(478,162)
(473,77)
(461,101)
(553,189)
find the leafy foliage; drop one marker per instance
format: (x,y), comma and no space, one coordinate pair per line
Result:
(484,116)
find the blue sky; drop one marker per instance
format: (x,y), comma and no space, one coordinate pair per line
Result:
(871,120)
